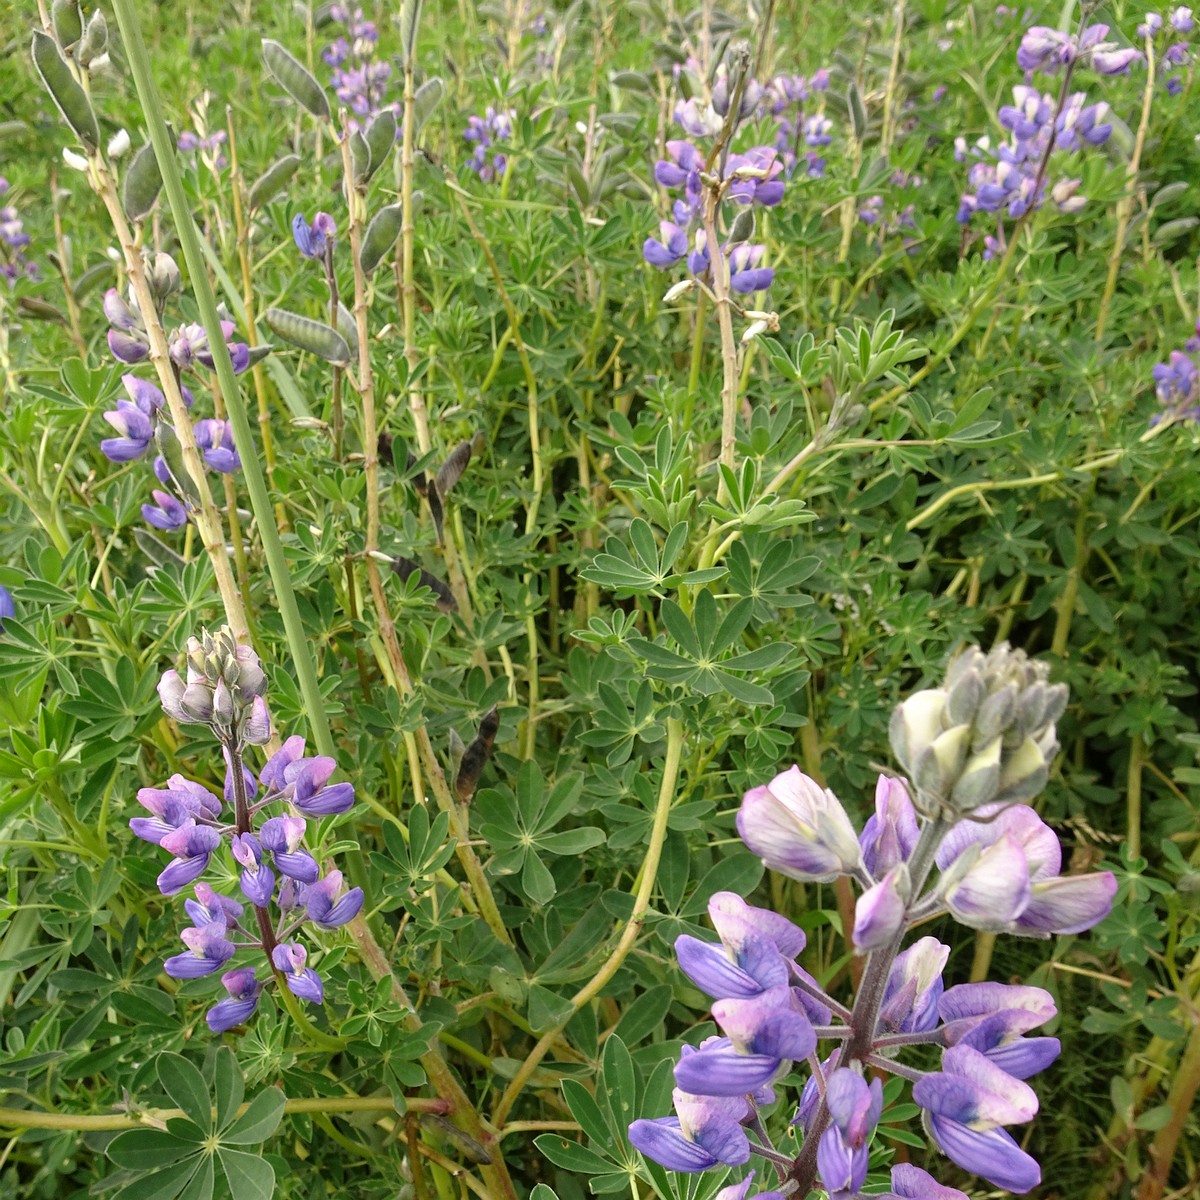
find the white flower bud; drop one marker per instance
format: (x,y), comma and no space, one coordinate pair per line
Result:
(75,161)
(118,144)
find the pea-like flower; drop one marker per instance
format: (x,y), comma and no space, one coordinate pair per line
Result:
(843,1152)
(214,439)
(705,1131)
(244,990)
(166,513)
(291,959)
(208,950)
(323,906)
(313,241)
(192,845)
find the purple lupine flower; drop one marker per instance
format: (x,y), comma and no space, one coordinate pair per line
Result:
(257,880)
(911,1183)
(283,836)
(752,93)
(15,264)
(192,845)
(166,512)
(843,1152)
(880,912)
(705,1131)
(967,1102)
(273,776)
(188,345)
(890,836)
(745,274)
(7,607)
(1177,383)
(1045,49)
(757,177)
(214,439)
(1181,20)
(209,906)
(1150,26)
(496,125)
(698,119)
(761,1034)
(208,950)
(244,990)
(136,429)
(291,958)
(993,1017)
(739,1191)
(668,251)
(914,988)
(313,241)
(324,910)
(799,828)
(312,794)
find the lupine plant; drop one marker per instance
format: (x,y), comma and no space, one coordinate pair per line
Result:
(609,426)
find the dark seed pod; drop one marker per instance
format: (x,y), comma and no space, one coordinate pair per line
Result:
(141,185)
(452,469)
(383,448)
(360,159)
(443,596)
(91,278)
(381,236)
(306,334)
(437,512)
(476,755)
(269,184)
(428,97)
(380,138)
(295,79)
(95,39)
(70,99)
(67,22)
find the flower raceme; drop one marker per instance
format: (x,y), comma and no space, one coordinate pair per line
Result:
(959,840)
(280,881)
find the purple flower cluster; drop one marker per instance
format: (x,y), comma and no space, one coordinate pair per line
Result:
(359,78)
(978,747)
(1171,36)
(1007,179)
(483,133)
(14,262)
(1047,50)
(315,240)
(1177,382)
(798,136)
(753,177)
(188,344)
(897,222)
(225,689)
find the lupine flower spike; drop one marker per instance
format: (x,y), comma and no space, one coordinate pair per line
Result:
(956,838)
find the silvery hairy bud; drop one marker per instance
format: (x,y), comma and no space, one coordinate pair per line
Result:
(224,689)
(162,274)
(986,737)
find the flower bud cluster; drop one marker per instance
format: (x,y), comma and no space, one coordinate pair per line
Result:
(225,688)
(973,749)
(359,77)
(985,737)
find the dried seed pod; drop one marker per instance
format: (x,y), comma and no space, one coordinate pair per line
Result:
(437,513)
(306,334)
(268,185)
(381,236)
(360,159)
(70,99)
(141,184)
(383,447)
(476,755)
(295,79)
(452,469)
(67,22)
(444,597)
(381,137)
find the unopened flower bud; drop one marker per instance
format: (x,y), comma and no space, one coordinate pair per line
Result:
(118,144)
(171,689)
(995,714)
(1023,774)
(939,766)
(753,330)
(257,729)
(964,698)
(680,289)
(915,724)
(162,274)
(197,703)
(224,713)
(979,779)
(879,913)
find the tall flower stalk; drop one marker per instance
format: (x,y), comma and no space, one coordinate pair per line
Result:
(976,751)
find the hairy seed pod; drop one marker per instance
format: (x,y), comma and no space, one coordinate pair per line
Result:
(381,236)
(70,99)
(295,79)
(858,114)
(380,138)
(40,310)
(346,324)
(428,96)
(91,278)
(405,568)
(141,184)
(476,755)
(169,446)
(95,40)
(360,159)
(257,353)
(410,18)
(269,184)
(67,22)
(633,81)
(742,229)
(306,334)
